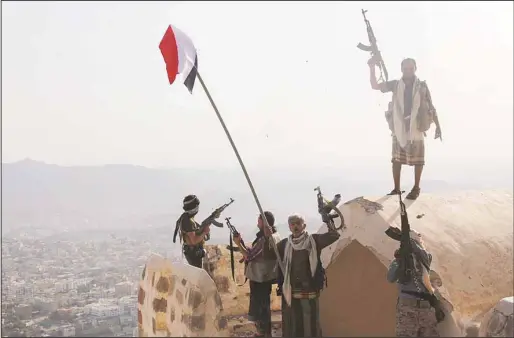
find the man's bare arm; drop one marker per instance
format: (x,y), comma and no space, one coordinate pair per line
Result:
(373,78)
(193,238)
(384,87)
(436,121)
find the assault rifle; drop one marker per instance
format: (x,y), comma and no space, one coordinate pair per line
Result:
(406,267)
(233,232)
(325,207)
(211,219)
(406,263)
(373,48)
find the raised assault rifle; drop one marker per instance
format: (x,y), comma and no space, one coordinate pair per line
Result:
(211,219)
(373,49)
(406,263)
(325,207)
(406,267)
(233,232)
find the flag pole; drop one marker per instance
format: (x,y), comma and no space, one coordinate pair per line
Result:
(263,217)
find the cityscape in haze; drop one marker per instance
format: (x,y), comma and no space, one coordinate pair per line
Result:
(98,150)
(75,239)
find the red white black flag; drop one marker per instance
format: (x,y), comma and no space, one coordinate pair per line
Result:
(179,54)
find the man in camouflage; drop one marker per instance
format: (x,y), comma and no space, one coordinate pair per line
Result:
(415,317)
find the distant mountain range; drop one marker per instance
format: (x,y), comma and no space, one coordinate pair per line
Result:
(128,197)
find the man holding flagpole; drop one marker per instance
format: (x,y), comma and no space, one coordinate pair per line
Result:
(261,269)
(180,56)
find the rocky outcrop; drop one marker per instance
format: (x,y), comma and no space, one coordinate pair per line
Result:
(234,295)
(178,300)
(499,321)
(469,234)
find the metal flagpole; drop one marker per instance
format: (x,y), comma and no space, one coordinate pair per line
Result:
(242,167)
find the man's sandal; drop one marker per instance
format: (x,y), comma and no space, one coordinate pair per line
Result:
(414,193)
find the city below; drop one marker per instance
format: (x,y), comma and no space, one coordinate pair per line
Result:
(68,288)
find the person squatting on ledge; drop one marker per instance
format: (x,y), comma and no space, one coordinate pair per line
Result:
(193,243)
(415,317)
(261,269)
(303,278)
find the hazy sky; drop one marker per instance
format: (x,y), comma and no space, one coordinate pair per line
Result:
(85,83)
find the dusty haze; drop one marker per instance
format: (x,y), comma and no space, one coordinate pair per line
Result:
(85,83)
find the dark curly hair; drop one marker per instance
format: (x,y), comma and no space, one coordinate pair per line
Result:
(271,220)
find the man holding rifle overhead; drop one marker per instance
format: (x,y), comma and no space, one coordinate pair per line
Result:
(303,278)
(410,115)
(410,112)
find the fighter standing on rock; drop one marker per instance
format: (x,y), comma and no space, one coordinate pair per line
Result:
(193,239)
(410,115)
(261,269)
(303,278)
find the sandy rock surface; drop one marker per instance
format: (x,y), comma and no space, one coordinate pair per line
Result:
(235,298)
(469,234)
(177,299)
(499,321)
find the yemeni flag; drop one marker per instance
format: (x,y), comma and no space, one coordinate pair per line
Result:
(179,54)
